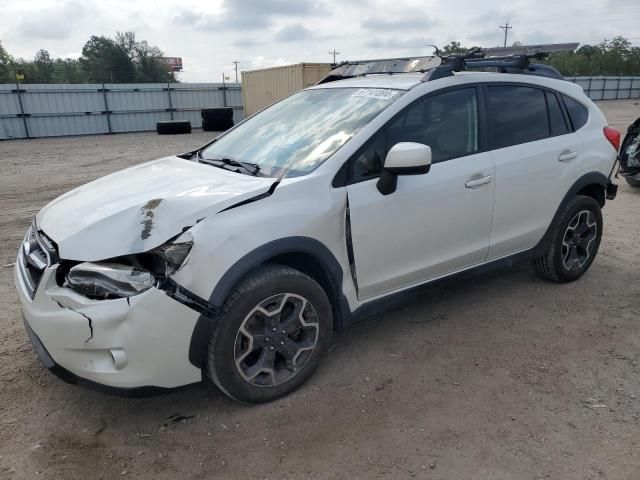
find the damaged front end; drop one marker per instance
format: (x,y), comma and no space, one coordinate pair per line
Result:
(125,276)
(106,321)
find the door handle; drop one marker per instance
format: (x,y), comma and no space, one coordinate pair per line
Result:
(566,156)
(476,182)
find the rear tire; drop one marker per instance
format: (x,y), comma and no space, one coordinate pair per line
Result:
(575,239)
(269,335)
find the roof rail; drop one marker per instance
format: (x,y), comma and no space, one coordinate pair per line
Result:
(505,60)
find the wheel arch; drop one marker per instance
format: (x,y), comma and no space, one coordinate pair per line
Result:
(305,254)
(595,191)
(592,184)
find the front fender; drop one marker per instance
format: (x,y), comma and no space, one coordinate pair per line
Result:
(248,263)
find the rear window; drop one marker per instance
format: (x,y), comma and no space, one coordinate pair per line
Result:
(517,114)
(577,112)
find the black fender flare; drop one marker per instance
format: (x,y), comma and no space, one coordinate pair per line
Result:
(310,246)
(591,178)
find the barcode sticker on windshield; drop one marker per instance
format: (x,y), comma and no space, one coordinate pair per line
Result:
(379,93)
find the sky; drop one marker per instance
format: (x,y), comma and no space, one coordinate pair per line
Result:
(210,34)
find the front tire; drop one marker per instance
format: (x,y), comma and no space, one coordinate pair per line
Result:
(270,334)
(574,243)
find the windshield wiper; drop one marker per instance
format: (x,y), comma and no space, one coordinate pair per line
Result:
(250,168)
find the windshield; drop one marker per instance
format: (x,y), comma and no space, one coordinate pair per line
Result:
(297,134)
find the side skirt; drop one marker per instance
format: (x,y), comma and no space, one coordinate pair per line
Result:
(403,297)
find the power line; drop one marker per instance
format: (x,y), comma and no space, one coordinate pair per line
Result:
(506,27)
(334,52)
(235,64)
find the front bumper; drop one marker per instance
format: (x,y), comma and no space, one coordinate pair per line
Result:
(68,377)
(139,343)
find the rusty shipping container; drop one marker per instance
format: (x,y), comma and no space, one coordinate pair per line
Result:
(261,88)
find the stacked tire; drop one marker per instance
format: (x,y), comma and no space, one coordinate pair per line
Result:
(217,119)
(173,127)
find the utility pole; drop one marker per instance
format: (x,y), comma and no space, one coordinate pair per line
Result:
(224,90)
(506,27)
(235,64)
(334,52)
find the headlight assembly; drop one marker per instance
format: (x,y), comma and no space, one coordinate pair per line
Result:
(127,276)
(103,280)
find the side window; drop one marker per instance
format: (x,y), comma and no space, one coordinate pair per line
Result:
(447,122)
(451,124)
(368,162)
(517,114)
(558,124)
(577,112)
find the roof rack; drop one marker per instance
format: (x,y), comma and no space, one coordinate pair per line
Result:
(504,60)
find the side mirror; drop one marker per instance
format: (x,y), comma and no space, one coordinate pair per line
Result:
(404,158)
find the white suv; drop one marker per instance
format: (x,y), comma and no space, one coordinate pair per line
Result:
(238,260)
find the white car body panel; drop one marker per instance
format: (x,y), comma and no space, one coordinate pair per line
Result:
(411,235)
(154,202)
(431,226)
(270,219)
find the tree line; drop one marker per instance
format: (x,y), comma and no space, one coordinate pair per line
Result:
(122,59)
(617,56)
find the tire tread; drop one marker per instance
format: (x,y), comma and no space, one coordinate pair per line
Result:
(263,275)
(546,265)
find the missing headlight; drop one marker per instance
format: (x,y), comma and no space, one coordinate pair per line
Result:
(102,281)
(174,255)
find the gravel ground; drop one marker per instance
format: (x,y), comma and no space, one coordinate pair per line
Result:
(510,377)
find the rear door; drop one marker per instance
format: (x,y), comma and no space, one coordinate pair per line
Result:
(535,151)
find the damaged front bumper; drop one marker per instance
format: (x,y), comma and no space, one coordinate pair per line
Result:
(125,343)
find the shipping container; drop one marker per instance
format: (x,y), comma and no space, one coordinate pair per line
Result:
(261,88)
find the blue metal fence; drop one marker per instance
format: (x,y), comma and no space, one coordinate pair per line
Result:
(30,111)
(609,88)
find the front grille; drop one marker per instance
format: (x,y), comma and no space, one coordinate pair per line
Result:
(37,252)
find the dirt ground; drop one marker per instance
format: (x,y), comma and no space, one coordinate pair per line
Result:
(503,377)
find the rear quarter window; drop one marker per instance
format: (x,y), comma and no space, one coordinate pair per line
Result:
(558,124)
(578,113)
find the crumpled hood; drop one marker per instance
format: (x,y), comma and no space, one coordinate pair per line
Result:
(140,208)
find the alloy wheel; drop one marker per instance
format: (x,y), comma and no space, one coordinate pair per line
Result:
(578,240)
(276,339)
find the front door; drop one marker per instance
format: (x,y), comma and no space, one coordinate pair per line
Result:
(433,224)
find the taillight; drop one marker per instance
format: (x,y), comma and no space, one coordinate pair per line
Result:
(613,136)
